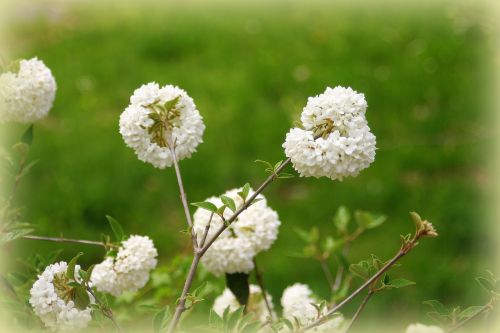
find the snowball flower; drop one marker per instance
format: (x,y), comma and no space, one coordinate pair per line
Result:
(158,119)
(297,302)
(421,328)
(129,271)
(51,306)
(27,94)
(254,231)
(335,141)
(256,303)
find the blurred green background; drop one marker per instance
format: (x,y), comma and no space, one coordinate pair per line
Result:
(424,69)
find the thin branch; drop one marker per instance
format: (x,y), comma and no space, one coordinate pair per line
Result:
(360,308)
(245,205)
(207,228)
(328,274)
(485,308)
(65,240)
(405,248)
(106,311)
(183,197)
(260,282)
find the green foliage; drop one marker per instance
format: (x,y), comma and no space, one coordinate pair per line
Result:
(161,319)
(244,192)
(234,322)
(229,202)
(239,286)
(206,205)
(117,228)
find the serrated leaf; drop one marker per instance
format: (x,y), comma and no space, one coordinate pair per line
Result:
(160,320)
(438,307)
(70,271)
(341,219)
(229,202)
(400,283)
(206,205)
(239,286)
(27,136)
(117,228)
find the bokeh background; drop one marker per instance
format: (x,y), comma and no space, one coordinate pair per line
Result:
(426,70)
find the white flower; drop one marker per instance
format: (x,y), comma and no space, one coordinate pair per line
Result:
(421,328)
(129,271)
(344,144)
(254,231)
(149,125)
(48,303)
(297,302)
(256,303)
(26,95)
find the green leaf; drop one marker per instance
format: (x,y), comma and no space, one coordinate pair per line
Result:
(229,202)
(206,205)
(89,274)
(266,163)
(28,168)
(360,269)
(233,319)
(239,286)
(486,283)
(255,201)
(215,320)
(341,219)
(81,297)
(117,228)
(367,220)
(27,136)
(285,175)
(172,103)
(471,311)
(417,220)
(438,307)
(386,279)
(277,165)
(303,234)
(160,320)
(70,271)
(244,192)
(399,283)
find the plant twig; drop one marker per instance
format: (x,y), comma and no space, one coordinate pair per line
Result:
(360,308)
(65,240)
(200,251)
(183,197)
(207,228)
(404,249)
(485,308)
(245,205)
(328,274)
(260,282)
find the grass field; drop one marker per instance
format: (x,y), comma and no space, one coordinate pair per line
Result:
(425,73)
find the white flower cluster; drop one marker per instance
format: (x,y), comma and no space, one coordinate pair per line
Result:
(297,302)
(256,303)
(336,141)
(129,271)
(149,129)
(254,230)
(47,301)
(421,328)
(27,94)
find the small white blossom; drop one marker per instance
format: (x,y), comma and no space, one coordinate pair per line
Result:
(254,231)
(421,328)
(344,144)
(26,95)
(129,271)
(181,127)
(256,303)
(297,302)
(47,301)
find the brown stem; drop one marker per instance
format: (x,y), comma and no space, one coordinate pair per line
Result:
(360,308)
(245,205)
(183,197)
(64,240)
(405,248)
(182,300)
(260,282)
(205,232)
(328,274)
(465,321)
